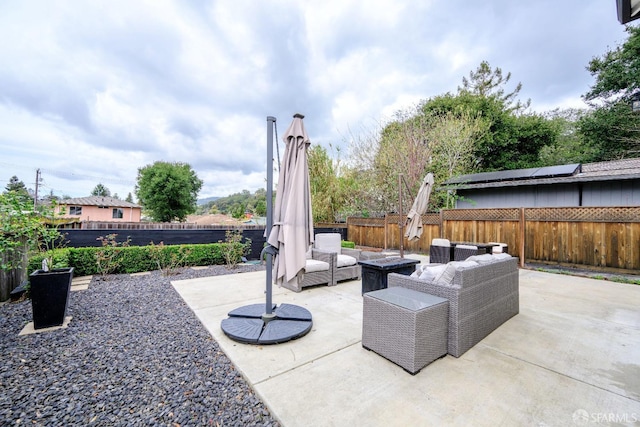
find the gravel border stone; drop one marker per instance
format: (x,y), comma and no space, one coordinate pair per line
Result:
(133,355)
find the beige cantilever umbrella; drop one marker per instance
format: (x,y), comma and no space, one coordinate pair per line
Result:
(414,217)
(292,231)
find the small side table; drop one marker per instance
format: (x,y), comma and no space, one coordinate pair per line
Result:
(405,326)
(375,271)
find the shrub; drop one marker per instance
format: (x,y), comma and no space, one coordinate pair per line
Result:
(233,249)
(108,257)
(58,257)
(168,259)
(133,259)
(347,244)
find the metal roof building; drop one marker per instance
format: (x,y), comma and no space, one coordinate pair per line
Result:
(613,183)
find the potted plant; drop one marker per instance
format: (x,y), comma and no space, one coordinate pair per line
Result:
(50,291)
(50,286)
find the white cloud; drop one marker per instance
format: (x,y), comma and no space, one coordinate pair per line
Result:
(91,91)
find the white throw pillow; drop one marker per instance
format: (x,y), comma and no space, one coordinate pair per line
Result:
(429,273)
(502,256)
(446,278)
(417,271)
(427,276)
(465,264)
(482,259)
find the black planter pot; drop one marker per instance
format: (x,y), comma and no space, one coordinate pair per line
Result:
(49,296)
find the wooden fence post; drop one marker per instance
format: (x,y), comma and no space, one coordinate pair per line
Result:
(522,233)
(386,222)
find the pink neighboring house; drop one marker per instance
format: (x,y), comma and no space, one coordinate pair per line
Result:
(99,208)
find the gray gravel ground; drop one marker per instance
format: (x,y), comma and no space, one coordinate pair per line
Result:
(133,355)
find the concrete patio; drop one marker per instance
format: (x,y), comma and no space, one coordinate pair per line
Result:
(571,357)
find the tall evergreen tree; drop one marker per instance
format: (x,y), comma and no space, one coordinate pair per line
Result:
(17,187)
(101,190)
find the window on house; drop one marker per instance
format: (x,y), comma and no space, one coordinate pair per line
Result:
(75,210)
(117,213)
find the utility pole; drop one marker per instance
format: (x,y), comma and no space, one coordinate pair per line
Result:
(35,199)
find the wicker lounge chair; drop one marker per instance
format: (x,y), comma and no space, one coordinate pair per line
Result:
(440,251)
(346,265)
(462,252)
(318,270)
(499,248)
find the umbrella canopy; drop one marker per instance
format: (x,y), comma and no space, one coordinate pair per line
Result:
(292,231)
(414,217)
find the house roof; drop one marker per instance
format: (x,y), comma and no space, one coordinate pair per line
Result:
(99,201)
(564,174)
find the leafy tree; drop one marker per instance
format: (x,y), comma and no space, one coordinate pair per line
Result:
(570,146)
(416,143)
(611,126)
(260,202)
(101,190)
(613,130)
(326,195)
(617,72)
(17,187)
(261,208)
(510,142)
(168,191)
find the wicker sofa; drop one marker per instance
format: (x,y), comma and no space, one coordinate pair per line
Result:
(482,296)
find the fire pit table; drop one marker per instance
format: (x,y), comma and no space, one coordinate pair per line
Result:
(375,271)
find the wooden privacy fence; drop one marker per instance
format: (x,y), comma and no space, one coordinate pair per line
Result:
(11,279)
(601,237)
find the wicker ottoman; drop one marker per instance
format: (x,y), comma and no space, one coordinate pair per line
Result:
(405,326)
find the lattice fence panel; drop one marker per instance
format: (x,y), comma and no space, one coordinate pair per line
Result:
(584,214)
(366,222)
(496,214)
(427,219)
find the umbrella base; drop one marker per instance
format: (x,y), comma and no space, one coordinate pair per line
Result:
(246,324)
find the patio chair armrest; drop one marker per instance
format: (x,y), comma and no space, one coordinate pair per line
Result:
(326,256)
(352,252)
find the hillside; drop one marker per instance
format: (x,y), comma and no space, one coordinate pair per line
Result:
(206,200)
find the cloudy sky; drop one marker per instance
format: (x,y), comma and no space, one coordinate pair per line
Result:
(90,91)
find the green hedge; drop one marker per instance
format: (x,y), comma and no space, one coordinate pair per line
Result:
(134,259)
(347,244)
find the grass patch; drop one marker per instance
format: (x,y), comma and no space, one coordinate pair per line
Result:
(610,278)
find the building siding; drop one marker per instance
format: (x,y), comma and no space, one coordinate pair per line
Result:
(525,196)
(611,193)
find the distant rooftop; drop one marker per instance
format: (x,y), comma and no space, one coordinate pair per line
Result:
(601,171)
(99,201)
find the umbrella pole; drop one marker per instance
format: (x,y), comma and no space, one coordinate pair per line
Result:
(269,305)
(401,220)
